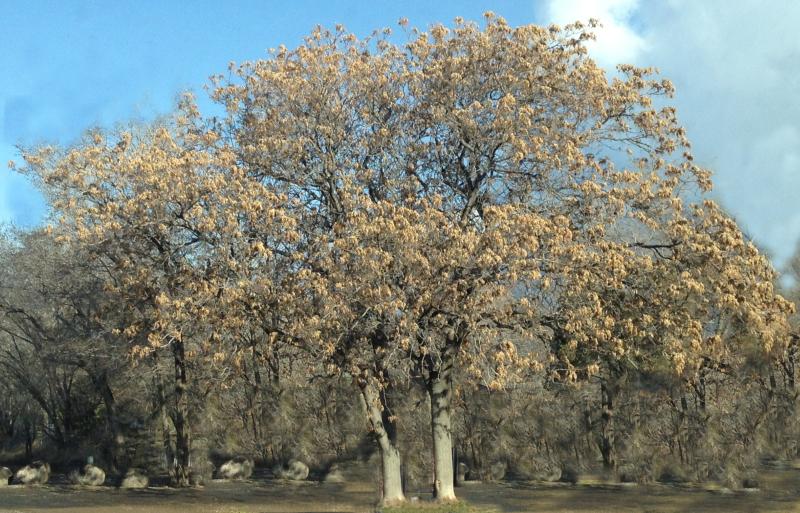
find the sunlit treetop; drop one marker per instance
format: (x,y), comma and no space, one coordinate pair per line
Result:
(470,188)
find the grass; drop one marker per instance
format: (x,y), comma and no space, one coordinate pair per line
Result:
(779,494)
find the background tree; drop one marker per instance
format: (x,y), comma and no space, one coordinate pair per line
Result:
(161,210)
(55,315)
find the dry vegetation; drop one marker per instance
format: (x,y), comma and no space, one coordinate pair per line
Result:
(268,497)
(476,243)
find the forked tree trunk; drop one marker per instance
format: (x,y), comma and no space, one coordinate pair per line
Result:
(180,418)
(440,383)
(384,431)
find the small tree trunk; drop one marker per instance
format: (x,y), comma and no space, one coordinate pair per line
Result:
(180,418)
(166,431)
(684,432)
(792,356)
(114,444)
(440,391)
(607,441)
(30,436)
(256,404)
(383,429)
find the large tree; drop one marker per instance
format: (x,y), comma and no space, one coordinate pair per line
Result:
(163,210)
(401,277)
(467,119)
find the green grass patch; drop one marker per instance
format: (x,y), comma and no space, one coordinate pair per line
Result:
(437,507)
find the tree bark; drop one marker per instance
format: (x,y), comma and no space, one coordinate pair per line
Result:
(440,383)
(384,431)
(180,418)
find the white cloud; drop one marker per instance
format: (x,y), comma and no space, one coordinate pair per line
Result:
(617,42)
(734,65)
(735,68)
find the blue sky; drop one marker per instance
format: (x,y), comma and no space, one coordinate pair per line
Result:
(68,65)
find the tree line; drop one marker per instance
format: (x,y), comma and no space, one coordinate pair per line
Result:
(479,220)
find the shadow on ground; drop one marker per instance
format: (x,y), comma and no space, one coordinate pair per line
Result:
(779,494)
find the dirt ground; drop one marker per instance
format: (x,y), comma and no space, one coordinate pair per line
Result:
(780,494)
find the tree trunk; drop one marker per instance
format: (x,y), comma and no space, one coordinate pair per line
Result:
(607,427)
(30,437)
(440,391)
(684,431)
(180,418)
(166,431)
(384,431)
(113,447)
(256,404)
